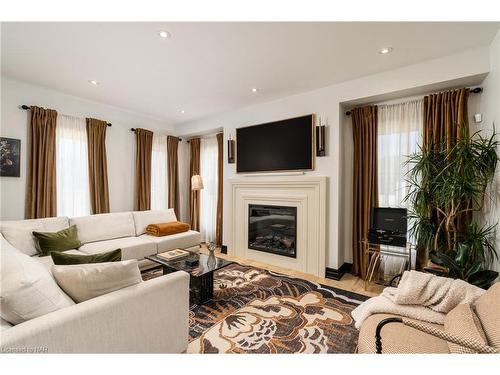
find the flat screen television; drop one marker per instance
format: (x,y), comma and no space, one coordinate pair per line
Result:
(283,145)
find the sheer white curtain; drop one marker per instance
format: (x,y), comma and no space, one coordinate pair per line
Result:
(399,133)
(208,200)
(72,174)
(159,185)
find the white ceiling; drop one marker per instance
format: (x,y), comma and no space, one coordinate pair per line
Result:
(206,68)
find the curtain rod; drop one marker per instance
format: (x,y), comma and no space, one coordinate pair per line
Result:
(205,136)
(475,90)
(133,130)
(27,108)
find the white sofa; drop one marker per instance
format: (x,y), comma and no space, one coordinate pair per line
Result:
(149,317)
(104,232)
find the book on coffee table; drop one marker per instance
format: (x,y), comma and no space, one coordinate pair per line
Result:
(173,254)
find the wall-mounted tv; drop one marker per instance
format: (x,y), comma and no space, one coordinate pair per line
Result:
(283,145)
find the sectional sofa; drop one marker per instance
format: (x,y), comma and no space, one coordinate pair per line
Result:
(148,317)
(104,232)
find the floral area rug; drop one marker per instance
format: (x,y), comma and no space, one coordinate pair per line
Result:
(258,311)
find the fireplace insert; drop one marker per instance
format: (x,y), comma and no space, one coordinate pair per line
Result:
(273,229)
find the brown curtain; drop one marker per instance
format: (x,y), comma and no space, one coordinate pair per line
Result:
(194,197)
(98,166)
(444,115)
(41,196)
(173,174)
(365,188)
(143,150)
(220,165)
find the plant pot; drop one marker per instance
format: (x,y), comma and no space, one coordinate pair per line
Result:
(422,258)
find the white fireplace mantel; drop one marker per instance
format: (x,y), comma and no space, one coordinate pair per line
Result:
(308,194)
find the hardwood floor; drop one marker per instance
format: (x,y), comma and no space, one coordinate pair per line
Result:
(348,282)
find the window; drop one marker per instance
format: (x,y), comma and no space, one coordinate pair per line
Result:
(399,133)
(208,201)
(73,197)
(159,186)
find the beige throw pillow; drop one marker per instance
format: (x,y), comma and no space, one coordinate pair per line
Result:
(487,308)
(86,281)
(463,322)
(27,289)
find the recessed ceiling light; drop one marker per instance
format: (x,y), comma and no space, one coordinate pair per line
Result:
(255,89)
(385,50)
(164,34)
(93,82)
(182,111)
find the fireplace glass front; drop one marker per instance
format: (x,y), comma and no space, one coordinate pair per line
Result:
(272,229)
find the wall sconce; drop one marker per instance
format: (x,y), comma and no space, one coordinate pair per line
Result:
(320,138)
(230,150)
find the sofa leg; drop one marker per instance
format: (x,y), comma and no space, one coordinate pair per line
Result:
(378,337)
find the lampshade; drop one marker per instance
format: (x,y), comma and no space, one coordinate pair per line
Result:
(196,182)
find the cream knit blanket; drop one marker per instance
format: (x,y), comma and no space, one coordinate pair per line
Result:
(421,296)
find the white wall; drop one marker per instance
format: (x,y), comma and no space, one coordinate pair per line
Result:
(465,68)
(490,108)
(120,141)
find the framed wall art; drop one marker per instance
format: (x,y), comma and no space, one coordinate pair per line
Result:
(10,157)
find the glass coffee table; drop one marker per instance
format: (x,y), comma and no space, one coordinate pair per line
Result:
(201,281)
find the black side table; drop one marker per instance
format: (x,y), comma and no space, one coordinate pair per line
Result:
(201,281)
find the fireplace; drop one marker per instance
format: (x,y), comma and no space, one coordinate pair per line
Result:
(272,229)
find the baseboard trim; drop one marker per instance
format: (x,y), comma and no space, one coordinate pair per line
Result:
(223,249)
(336,274)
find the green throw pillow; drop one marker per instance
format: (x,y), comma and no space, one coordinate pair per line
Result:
(63,240)
(67,259)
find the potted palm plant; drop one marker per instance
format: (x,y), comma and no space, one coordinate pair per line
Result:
(448,184)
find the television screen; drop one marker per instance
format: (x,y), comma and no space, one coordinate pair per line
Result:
(276,146)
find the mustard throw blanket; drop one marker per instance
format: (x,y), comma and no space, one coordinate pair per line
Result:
(165,229)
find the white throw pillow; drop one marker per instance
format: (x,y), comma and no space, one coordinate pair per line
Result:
(27,288)
(85,281)
(22,239)
(20,233)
